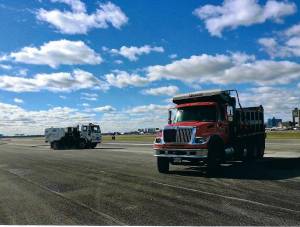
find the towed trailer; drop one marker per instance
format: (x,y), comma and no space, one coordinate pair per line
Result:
(208,127)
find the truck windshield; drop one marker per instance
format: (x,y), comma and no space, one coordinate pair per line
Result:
(95,129)
(195,113)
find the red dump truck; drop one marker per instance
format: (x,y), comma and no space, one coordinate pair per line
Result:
(206,127)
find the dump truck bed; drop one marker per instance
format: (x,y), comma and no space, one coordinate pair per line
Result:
(250,120)
(218,96)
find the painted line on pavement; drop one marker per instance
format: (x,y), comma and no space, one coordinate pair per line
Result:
(226,197)
(133,144)
(281,144)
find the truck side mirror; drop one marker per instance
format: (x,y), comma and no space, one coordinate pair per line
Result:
(229,111)
(170,117)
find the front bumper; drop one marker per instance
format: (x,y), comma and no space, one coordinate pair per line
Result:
(181,153)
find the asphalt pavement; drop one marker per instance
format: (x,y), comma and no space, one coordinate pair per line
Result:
(118,184)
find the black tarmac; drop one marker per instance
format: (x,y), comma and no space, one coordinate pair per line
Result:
(118,184)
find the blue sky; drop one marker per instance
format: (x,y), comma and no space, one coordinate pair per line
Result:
(118,63)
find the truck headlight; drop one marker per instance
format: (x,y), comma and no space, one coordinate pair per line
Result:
(157,140)
(201,140)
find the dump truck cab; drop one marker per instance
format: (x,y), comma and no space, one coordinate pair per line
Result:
(92,134)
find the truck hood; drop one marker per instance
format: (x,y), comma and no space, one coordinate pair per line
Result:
(193,123)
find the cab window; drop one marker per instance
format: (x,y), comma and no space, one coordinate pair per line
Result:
(95,129)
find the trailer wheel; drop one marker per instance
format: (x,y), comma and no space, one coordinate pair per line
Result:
(215,150)
(82,144)
(163,164)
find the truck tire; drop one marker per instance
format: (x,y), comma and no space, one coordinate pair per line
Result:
(250,152)
(239,151)
(55,145)
(163,164)
(93,145)
(82,144)
(261,148)
(252,148)
(215,153)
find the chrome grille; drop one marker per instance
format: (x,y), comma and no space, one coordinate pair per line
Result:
(178,135)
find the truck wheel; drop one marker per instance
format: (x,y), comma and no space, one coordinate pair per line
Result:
(256,151)
(239,154)
(93,145)
(82,144)
(261,148)
(215,149)
(163,164)
(252,151)
(55,145)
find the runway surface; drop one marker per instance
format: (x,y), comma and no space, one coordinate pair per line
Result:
(118,184)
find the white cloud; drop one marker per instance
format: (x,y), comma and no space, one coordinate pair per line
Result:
(85,104)
(57,82)
(76,5)
(106,108)
(132,53)
(78,21)
(146,116)
(104,48)
(89,96)
(3,58)
(151,108)
(269,45)
(226,69)
(55,53)
(63,97)
(119,62)
(283,44)
(122,79)
(293,30)
(173,56)
(17,100)
(276,101)
(14,119)
(168,90)
(234,13)
(5,67)
(23,72)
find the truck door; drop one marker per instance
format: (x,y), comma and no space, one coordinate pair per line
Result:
(222,123)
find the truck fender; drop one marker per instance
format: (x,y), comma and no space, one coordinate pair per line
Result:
(215,138)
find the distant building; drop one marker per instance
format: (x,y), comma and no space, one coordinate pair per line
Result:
(148,130)
(19,135)
(273,122)
(296,114)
